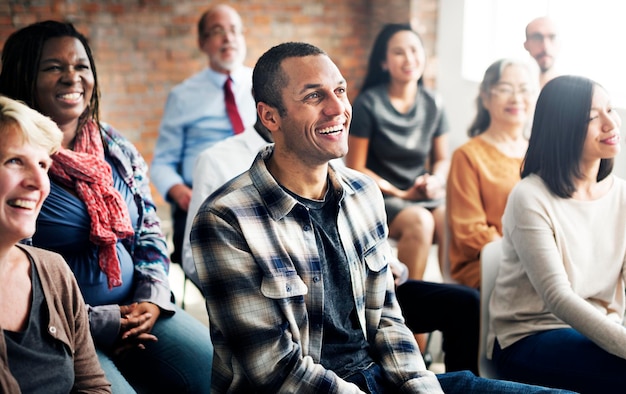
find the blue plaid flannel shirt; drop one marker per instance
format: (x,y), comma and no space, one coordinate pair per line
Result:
(258,263)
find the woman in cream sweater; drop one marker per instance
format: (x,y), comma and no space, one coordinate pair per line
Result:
(558,303)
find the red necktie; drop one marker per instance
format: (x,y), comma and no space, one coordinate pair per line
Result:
(231,107)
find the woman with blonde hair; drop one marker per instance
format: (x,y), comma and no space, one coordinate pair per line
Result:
(45,344)
(101,218)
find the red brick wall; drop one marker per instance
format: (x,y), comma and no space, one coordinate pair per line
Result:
(144,47)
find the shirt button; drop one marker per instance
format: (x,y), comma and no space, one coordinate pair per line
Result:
(316,279)
(53,330)
(288,289)
(306,227)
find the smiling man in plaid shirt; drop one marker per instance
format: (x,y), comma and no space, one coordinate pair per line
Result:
(293,256)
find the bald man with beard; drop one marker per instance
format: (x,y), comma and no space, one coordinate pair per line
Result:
(542,43)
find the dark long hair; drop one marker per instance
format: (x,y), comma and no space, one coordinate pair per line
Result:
(376,75)
(20,63)
(558,134)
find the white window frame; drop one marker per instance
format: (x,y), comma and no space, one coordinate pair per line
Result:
(590,33)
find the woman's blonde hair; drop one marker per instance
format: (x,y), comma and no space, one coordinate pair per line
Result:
(36,129)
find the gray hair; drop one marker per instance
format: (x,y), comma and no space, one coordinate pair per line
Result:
(491,78)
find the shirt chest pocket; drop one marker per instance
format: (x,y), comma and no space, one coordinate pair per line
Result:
(376,260)
(284,286)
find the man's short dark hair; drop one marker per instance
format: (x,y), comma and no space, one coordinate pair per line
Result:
(268,78)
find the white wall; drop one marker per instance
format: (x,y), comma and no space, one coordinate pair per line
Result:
(459,94)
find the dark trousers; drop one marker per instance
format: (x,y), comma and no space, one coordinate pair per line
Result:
(179,221)
(562,358)
(452,309)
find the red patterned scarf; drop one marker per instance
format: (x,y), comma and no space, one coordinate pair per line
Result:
(85,171)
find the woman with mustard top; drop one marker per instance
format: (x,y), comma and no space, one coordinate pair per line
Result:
(484,170)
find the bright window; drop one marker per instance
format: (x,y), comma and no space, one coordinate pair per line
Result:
(591,34)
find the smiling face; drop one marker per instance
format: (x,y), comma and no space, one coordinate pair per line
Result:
(510,101)
(405,59)
(314,127)
(603,131)
(24,184)
(65,82)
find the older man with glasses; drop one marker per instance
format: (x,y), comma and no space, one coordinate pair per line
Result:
(207,107)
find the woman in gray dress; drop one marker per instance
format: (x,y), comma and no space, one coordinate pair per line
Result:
(398,136)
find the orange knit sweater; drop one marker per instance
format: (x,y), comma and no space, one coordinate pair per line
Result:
(480,180)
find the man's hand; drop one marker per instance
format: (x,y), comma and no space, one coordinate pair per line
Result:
(181,195)
(400,272)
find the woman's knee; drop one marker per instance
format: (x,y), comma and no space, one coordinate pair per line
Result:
(417,219)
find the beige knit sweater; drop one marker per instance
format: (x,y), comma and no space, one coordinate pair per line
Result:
(563,266)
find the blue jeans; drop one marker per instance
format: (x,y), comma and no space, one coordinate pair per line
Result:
(119,384)
(562,358)
(179,362)
(371,380)
(465,382)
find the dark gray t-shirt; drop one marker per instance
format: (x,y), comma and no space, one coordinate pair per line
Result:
(344,348)
(39,363)
(400,144)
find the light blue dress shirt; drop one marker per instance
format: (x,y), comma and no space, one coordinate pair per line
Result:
(195,118)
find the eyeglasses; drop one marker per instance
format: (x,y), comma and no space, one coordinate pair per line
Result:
(220,31)
(538,37)
(510,91)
